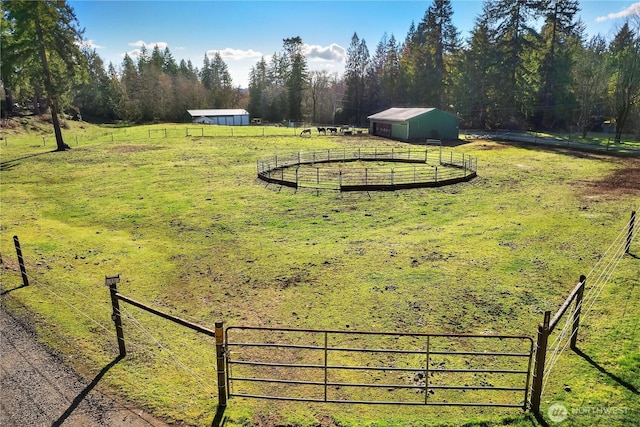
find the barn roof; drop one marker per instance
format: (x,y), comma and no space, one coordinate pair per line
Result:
(218,112)
(400,114)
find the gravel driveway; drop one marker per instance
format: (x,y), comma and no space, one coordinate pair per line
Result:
(37,389)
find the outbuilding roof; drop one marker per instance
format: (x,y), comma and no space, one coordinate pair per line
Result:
(219,112)
(400,114)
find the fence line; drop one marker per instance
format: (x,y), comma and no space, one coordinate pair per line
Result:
(185,131)
(584,301)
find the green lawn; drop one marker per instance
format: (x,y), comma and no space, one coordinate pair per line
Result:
(192,232)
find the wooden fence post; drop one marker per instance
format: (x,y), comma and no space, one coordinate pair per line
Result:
(112,282)
(630,232)
(221,364)
(538,369)
(576,312)
(23,270)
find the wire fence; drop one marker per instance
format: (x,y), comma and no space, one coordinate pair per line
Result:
(392,168)
(595,282)
(95,315)
(96,318)
(135,133)
(594,142)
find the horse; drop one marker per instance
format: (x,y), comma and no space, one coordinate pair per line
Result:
(305,131)
(322,131)
(333,130)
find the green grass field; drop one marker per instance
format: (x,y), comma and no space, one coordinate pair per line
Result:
(192,232)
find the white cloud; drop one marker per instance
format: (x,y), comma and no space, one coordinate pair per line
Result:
(229,54)
(149,46)
(331,53)
(135,53)
(632,10)
(89,44)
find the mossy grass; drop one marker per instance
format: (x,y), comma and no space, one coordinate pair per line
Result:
(191,231)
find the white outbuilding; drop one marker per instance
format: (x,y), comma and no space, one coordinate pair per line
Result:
(228,117)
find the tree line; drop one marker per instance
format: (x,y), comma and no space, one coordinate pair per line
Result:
(508,74)
(526,64)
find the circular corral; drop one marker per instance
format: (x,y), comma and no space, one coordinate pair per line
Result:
(391,169)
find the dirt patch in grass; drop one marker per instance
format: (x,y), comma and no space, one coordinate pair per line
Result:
(133,148)
(491,146)
(625,180)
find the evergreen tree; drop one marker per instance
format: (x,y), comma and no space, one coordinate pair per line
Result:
(558,32)
(589,83)
(223,92)
(257,85)
(436,41)
(480,79)
(92,96)
(377,97)
(511,22)
(45,37)
(624,86)
(169,65)
(132,86)
(275,94)
(355,76)
(296,76)
(116,95)
(393,81)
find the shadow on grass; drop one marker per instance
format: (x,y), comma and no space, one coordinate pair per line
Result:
(12,289)
(614,377)
(10,164)
(540,419)
(219,420)
(84,393)
(573,150)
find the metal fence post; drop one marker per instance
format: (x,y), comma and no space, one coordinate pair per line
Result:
(326,363)
(538,370)
(576,313)
(112,282)
(630,233)
(426,373)
(23,270)
(221,363)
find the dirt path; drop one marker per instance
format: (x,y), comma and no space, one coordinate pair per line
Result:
(37,389)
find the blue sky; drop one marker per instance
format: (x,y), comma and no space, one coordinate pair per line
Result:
(244,31)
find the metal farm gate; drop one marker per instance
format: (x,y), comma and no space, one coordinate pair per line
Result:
(378,367)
